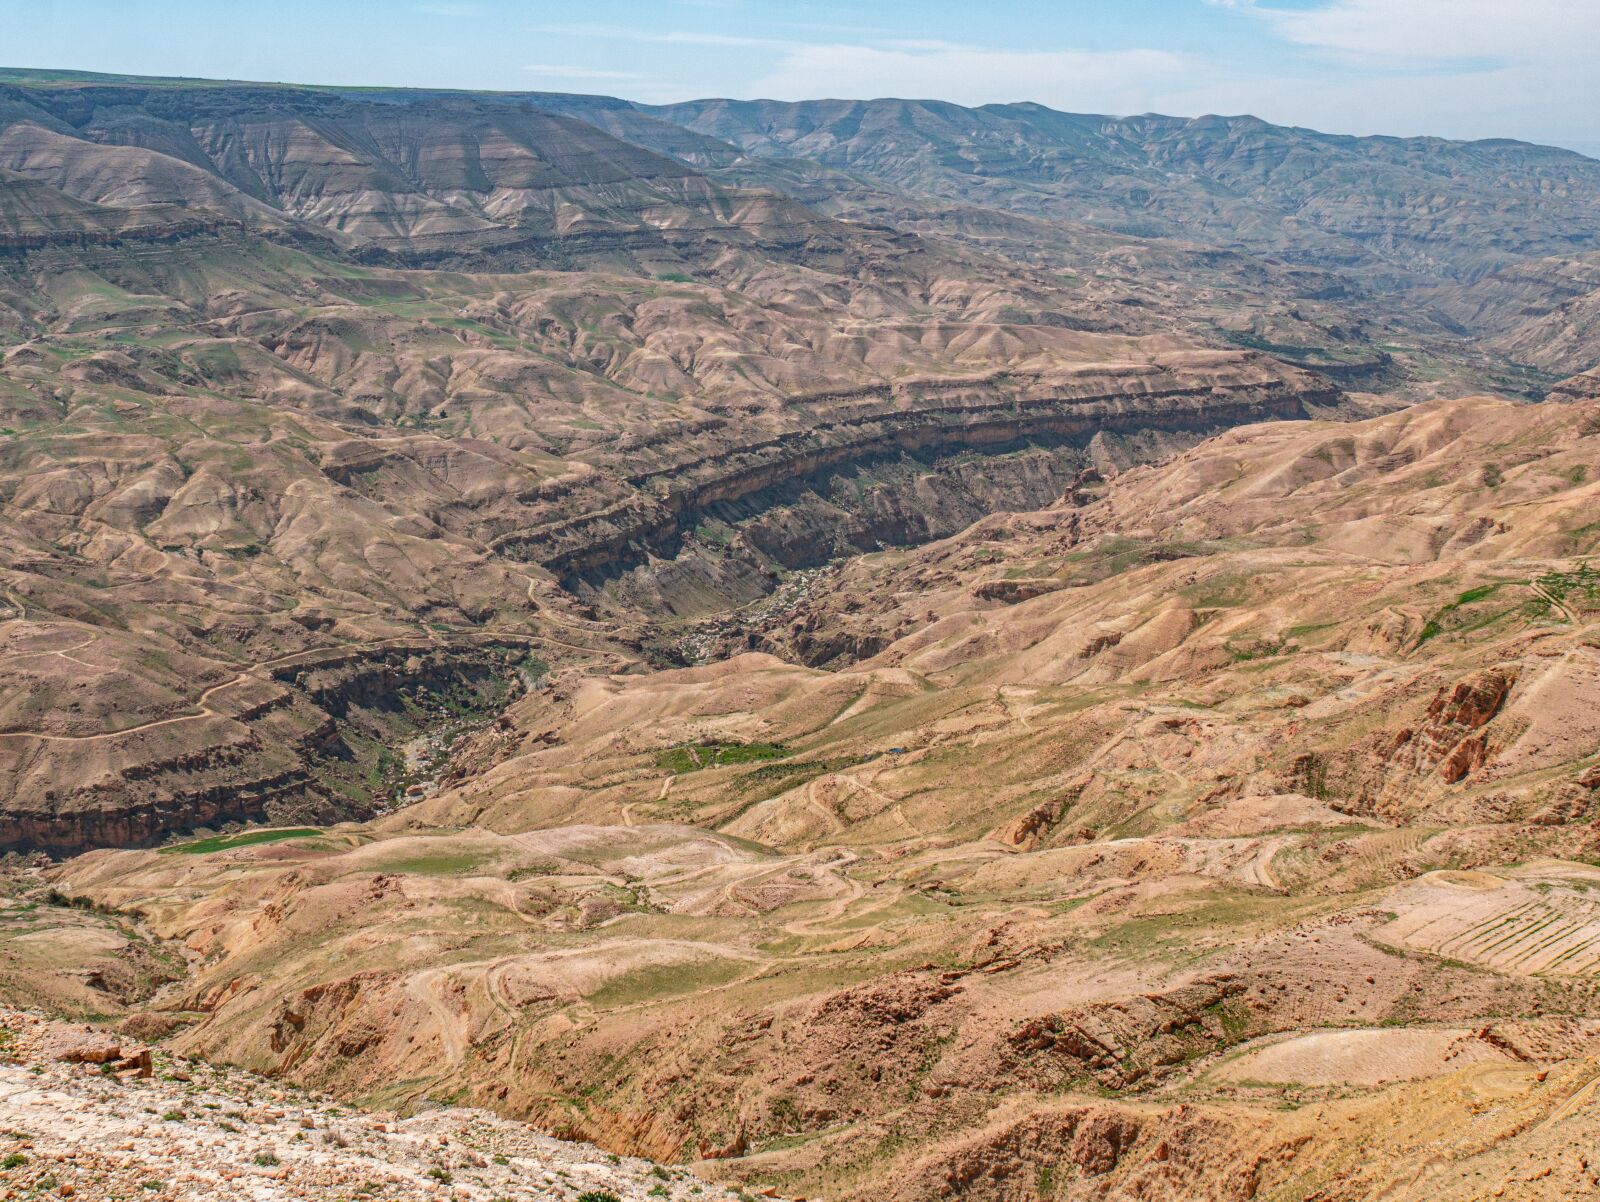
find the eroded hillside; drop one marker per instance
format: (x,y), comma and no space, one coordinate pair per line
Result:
(254,491)
(887,650)
(1193,834)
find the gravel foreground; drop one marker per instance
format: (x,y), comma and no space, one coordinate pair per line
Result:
(89,1115)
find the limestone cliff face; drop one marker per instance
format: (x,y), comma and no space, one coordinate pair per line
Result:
(1184,394)
(34,216)
(259,747)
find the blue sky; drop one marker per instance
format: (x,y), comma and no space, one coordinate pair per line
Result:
(1457,68)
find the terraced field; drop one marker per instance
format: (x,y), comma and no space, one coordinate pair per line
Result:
(1540,921)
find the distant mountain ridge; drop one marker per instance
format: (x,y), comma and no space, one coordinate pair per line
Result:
(1467,233)
(1394,210)
(1424,207)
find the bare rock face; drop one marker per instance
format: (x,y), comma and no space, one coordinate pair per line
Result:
(1004,1162)
(1009,592)
(1584,387)
(1451,738)
(1472,703)
(1094,1040)
(1028,830)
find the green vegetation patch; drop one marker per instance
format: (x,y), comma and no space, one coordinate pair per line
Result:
(666,980)
(1115,554)
(1577,590)
(444,863)
(1448,619)
(808,769)
(1255,648)
(201,847)
(694,756)
(1301,353)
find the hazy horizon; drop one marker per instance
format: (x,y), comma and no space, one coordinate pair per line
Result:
(1587,147)
(1463,69)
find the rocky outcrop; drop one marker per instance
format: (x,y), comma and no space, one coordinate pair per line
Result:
(1191,395)
(272,758)
(1013,592)
(1007,1161)
(154,232)
(1584,387)
(35,216)
(1451,739)
(119,815)
(1027,830)
(1120,1044)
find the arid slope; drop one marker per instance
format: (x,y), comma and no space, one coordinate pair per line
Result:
(1212,834)
(256,496)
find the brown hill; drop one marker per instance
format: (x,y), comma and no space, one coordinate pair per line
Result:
(1215,866)
(1005,660)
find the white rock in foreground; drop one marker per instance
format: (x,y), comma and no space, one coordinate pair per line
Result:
(71,1126)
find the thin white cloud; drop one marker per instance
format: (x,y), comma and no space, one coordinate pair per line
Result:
(622,33)
(560,71)
(1546,103)
(1113,81)
(1441,31)
(1456,68)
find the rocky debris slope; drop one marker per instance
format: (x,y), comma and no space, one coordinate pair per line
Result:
(96,1117)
